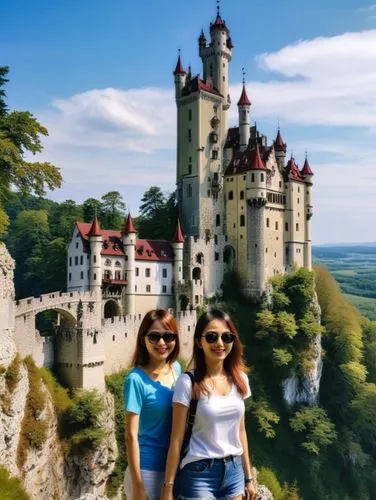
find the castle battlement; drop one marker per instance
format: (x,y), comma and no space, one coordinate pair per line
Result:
(48,300)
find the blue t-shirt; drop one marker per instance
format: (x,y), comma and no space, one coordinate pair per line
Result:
(153,402)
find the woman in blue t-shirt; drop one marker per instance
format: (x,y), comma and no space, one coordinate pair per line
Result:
(148,391)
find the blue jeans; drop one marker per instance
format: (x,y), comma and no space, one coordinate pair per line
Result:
(216,478)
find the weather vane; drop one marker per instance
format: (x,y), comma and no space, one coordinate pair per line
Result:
(218,6)
(243,73)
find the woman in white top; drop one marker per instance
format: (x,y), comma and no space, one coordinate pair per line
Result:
(216,464)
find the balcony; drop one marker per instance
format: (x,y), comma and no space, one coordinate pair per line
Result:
(111,281)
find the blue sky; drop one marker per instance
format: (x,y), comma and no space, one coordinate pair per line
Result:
(99,76)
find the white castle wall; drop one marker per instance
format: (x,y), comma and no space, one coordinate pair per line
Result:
(186,321)
(78,264)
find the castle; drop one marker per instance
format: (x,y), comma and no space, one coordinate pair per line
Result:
(241,205)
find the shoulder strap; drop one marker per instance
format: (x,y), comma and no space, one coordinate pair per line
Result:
(190,420)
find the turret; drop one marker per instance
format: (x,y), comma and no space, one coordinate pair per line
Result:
(177,244)
(280,150)
(307,174)
(256,179)
(244,108)
(129,245)
(95,242)
(201,42)
(180,76)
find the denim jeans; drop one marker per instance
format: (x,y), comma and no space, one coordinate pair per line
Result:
(216,478)
(152,479)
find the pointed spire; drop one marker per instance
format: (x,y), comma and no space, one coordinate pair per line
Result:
(306,170)
(219,22)
(244,100)
(179,70)
(128,226)
(202,39)
(279,145)
(95,229)
(178,238)
(257,163)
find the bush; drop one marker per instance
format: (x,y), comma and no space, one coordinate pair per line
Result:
(2,369)
(268,478)
(12,375)
(60,397)
(11,487)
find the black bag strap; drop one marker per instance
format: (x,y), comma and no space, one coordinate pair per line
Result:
(190,420)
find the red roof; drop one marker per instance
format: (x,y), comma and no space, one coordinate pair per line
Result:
(306,170)
(196,84)
(179,70)
(293,169)
(178,238)
(244,101)
(279,145)
(219,23)
(129,227)
(112,245)
(257,163)
(95,228)
(243,161)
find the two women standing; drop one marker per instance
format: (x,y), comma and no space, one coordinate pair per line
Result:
(216,462)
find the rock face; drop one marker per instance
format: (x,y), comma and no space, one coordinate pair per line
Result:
(305,390)
(46,473)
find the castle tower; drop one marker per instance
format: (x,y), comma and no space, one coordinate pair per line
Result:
(280,150)
(307,174)
(294,235)
(180,77)
(244,108)
(95,242)
(129,244)
(256,201)
(177,245)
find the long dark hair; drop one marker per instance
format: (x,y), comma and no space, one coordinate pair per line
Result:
(233,364)
(141,355)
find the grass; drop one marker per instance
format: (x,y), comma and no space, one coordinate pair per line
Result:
(13,373)
(366,305)
(11,487)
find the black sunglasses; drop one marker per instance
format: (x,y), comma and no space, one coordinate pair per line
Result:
(155,337)
(212,337)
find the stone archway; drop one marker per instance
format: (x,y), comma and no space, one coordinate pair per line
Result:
(111,309)
(229,258)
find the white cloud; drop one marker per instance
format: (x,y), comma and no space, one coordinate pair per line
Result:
(126,138)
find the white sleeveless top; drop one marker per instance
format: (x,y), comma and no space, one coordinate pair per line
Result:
(215,431)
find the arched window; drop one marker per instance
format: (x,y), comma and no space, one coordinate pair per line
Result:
(242,195)
(117,264)
(230,195)
(242,220)
(217,220)
(107,262)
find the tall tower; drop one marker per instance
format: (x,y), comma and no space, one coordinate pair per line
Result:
(95,242)
(129,244)
(180,77)
(177,245)
(256,201)
(244,109)
(307,174)
(280,150)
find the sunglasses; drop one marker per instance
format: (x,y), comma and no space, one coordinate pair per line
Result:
(155,337)
(212,337)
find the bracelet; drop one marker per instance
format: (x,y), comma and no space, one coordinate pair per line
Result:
(248,480)
(168,483)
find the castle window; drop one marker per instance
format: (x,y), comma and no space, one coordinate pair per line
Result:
(189,169)
(280,184)
(164,289)
(148,289)
(298,201)
(242,220)
(94,259)
(217,220)
(224,78)
(125,276)
(298,189)
(70,276)
(82,275)
(164,272)
(147,272)
(172,289)
(196,299)
(266,250)
(286,226)
(262,177)
(267,222)
(241,236)
(215,239)
(189,135)
(76,261)
(107,274)
(276,226)
(107,262)
(70,261)
(77,244)
(117,275)
(230,195)
(135,288)
(287,251)
(113,338)
(214,154)
(297,227)
(137,271)
(216,256)
(275,254)
(243,177)
(95,276)
(117,264)
(242,195)
(253,178)
(81,260)
(189,114)
(126,257)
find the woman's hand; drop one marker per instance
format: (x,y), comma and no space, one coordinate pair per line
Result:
(139,493)
(250,491)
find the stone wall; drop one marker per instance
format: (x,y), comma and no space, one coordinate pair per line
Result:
(7,346)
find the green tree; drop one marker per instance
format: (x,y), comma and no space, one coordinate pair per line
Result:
(152,201)
(318,430)
(91,207)
(113,210)
(20,133)
(63,218)
(55,267)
